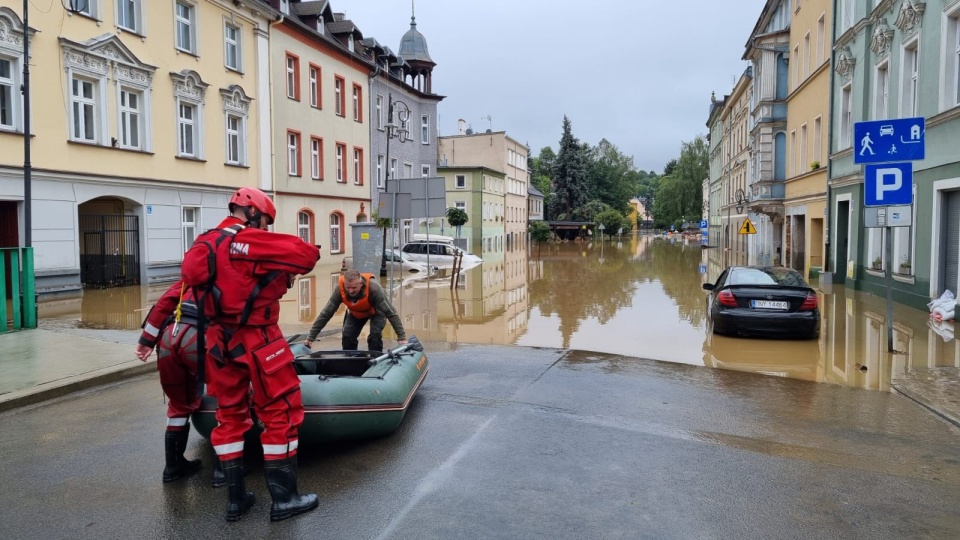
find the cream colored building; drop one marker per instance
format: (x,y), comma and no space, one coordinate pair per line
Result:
(320,127)
(145,117)
(497,151)
(735,169)
(807,121)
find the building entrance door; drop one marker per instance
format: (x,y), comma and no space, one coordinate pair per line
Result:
(950,246)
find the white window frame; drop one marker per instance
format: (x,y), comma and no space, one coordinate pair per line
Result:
(314,85)
(291,67)
(125,112)
(408,169)
(285,7)
(315,149)
(358,167)
(189,237)
(881,91)
(393,168)
(135,12)
(340,163)
(185,27)
(338,96)
(189,90)
(846,117)
(425,129)
(235,44)
(304,228)
(13,83)
(905,253)
(910,78)
(380,111)
(461,205)
(950,53)
(460,181)
(320,26)
(380,160)
(818,139)
(235,139)
(92,9)
(847,14)
(875,248)
(293,153)
(355,97)
(821,38)
(185,125)
(424,171)
(804,150)
(335,227)
(96,102)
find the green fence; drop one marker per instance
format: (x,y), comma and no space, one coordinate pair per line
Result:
(18,302)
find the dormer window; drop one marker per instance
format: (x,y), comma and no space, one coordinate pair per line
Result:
(285,7)
(320,25)
(350,43)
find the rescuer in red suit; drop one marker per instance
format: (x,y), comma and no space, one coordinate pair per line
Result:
(175,339)
(241,271)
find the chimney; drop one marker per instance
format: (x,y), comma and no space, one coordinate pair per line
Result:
(461,126)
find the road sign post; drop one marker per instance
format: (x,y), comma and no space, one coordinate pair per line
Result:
(888,185)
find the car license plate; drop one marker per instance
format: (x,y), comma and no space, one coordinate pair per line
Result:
(768,304)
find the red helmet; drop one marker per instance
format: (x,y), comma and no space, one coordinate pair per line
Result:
(247,196)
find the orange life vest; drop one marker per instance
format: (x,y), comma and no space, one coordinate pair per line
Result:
(361,308)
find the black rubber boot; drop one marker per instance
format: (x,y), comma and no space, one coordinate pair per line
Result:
(175,442)
(239,500)
(219,479)
(281,477)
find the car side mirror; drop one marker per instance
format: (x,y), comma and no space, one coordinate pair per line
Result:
(707,286)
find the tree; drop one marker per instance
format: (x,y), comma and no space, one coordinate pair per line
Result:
(679,196)
(611,221)
(457,217)
(541,177)
(570,174)
(611,176)
(539,233)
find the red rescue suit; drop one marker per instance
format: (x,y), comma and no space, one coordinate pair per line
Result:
(361,308)
(176,352)
(241,274)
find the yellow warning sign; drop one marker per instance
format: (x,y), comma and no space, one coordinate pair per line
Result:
(747,227)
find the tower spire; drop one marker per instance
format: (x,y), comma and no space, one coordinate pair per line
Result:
(413,14)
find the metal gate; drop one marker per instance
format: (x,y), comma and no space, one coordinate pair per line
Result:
(109,250)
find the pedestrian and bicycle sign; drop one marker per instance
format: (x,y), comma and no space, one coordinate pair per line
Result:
(888,184)
(747,227)
(885,141)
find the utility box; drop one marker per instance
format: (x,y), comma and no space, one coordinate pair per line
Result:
(367,247)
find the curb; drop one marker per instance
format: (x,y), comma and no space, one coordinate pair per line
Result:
(56,389)
(927,404)
(52,390)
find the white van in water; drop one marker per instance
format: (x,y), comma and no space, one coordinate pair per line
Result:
(440,250)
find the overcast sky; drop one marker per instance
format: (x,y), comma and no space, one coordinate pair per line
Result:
(636,72)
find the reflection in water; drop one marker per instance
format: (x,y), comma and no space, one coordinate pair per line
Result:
(639,297)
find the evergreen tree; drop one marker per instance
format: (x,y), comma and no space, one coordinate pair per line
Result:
(570,175)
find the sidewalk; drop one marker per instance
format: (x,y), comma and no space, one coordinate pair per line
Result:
(52,361)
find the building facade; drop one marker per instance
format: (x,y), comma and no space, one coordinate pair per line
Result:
(713,189)
(736,120)
(897,59)
(495,151)
(768,52)
(145,117)
(479,192)
(807,119)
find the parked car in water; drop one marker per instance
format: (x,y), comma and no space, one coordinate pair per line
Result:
(439,250)
(398,262)
(763,301)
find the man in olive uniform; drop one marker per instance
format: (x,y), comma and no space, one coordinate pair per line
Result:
(365,301)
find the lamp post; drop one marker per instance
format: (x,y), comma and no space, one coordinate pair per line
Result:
(399,132)
(740,200)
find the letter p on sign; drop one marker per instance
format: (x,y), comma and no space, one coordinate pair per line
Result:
(888,184)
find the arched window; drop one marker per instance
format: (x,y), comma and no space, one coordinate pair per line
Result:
(780,156)
(305,226)
(336,232)
(782,76)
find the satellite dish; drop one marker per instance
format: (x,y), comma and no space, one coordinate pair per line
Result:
(76,6)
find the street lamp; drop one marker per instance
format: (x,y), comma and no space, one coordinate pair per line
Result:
(399,132)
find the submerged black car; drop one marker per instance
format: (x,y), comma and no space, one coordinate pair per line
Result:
(763,301)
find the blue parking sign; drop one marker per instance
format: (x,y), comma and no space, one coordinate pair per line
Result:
(888,184)
(885,141)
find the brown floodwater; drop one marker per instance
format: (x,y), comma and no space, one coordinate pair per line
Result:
(640,296)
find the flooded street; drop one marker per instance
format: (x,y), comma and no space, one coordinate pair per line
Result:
(638,297)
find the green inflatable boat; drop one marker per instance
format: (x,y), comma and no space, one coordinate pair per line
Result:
(346,394)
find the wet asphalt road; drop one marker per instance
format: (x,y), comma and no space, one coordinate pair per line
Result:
(507,442)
